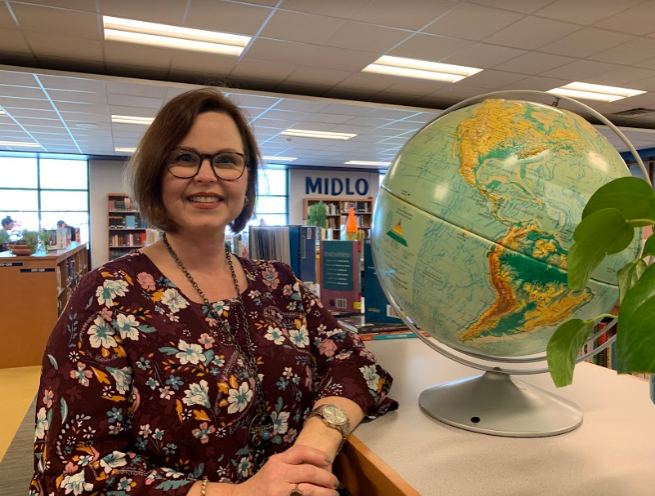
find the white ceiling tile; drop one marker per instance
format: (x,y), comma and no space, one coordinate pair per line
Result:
(628,53)
(472,22)
(623,76)
(538,83)
(134,101)
(534,63)
(78,96)
(43,130)
(301,27)
(18,79)
(523,6)
(455,93)
(117,53)
(344,10)
(483,56)
(317,76)
(228,17)
(31,121)
(63,46)
(429,47)
(137,89)
(22,92)
(286,52)
(202,63)
(70,23)
(343,93)
(137,71)
(635,20)
(161,11)
(369,121)
(584,11)
(11,40)
(31,103)
(6,20)
(648,63)
(325,118)
(82,107)
(586,42)
(411,14)
(367,37)
(291,88)
(300,105)
(254,101)
(71,64)
(492,79)
(348,109)
(416,87)
(85,117)
(261,69)
(370,81)
(72,83)
(531,33)
(40,114)
(579,70)
(341,59)
(645,84)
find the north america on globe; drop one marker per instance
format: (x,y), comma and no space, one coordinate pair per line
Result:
(475,218)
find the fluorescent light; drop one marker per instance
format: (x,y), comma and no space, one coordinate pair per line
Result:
(421,69)
(127,119)
(2,112)
(305,133)
(19,144)
(280,159)
(163,35)
(595,92)
(364,162)
(120,149)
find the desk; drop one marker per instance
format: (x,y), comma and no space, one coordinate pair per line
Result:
(408,453)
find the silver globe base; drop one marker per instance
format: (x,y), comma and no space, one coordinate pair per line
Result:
(496,404)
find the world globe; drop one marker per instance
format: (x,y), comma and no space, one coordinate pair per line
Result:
(474,220)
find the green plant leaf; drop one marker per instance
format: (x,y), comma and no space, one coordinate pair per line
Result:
(635,336)
(632,196)
(649,247)
(563,349)
(600,234)
(629,275)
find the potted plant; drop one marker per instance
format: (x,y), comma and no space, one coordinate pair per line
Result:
(317,215)
(608,225)
(28,244)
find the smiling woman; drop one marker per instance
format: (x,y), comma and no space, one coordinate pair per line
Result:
(183,369)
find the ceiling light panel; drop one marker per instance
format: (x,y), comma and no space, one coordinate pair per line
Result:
(20,144)
(162,35)
(366,162)
(120,149)
(128,119)
(595,92)
(420,69)
(306,133)
(280,159)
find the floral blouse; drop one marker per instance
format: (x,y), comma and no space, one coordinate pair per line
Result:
(142,393)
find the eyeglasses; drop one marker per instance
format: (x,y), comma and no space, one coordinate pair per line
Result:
(185,164)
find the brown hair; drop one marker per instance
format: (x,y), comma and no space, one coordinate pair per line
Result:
(173,122)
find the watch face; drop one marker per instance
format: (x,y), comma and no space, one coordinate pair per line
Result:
(335,415)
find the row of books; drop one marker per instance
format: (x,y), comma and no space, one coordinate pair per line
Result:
(128,239)
(360,207)
(361,222)
(121,204)
(127,222)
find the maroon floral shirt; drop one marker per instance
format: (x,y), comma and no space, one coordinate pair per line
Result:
(142,393)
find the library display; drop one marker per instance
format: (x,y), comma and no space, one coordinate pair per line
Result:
(471,238)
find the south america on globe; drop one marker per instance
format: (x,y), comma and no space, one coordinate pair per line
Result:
(474,220)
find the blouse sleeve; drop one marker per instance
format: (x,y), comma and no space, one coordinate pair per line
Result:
(86,400)
(345,367)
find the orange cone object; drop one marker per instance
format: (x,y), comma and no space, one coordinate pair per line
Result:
(351,226)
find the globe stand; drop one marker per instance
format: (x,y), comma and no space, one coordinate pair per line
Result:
(495,403)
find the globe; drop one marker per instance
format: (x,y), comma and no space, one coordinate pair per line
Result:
(474,220)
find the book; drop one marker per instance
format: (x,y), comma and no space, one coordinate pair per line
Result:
(377,306)
(340,275)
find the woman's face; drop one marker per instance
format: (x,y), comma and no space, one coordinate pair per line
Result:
(205,204)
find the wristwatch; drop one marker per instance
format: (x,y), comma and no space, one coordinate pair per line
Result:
(335,417)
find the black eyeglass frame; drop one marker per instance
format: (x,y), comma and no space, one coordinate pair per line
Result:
(204,156)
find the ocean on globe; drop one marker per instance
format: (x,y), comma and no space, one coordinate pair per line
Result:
(474,220)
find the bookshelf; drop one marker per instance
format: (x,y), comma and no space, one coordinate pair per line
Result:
(34,292)
(336,210)
(126,229)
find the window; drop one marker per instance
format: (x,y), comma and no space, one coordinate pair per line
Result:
(37,191)
(273,200)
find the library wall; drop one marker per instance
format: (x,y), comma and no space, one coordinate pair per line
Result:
(313,183)
(106,176)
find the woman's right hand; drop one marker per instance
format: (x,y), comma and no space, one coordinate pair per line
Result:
(302,467)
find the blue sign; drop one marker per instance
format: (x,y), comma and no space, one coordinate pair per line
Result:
(37,270)
(334,186)
(11,264)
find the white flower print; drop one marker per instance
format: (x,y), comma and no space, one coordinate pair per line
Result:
(239,398)
(76,484)
(370,374)
(174,300)
(112,461)
(274,334)
(41,424)
(110,290)
(101,334)
(189,353)
(299,337)
(145,430)
(197,394)
(123,378)
(280,422)
(127,326)
(244,467)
